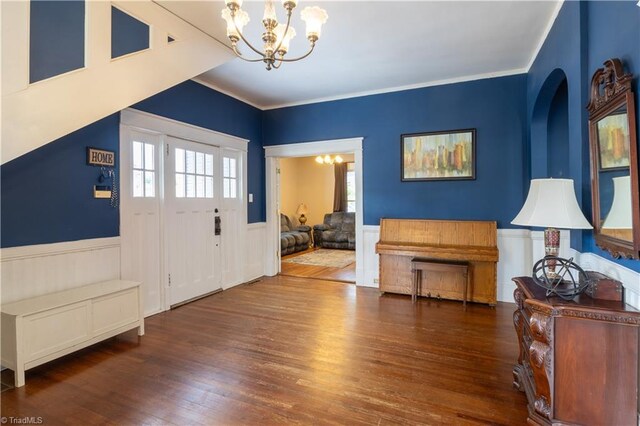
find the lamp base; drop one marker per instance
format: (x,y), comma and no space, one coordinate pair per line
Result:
(303,219)
(551,248)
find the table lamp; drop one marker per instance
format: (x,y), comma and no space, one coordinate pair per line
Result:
(552,204)
(302,211)
(619,216)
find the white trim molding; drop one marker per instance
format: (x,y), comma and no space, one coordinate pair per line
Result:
(52,249)
(307,149)
(167,126)
(422,85)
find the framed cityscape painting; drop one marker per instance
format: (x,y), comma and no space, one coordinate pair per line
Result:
(446,155)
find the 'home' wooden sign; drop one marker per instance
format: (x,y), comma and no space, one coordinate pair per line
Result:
(100,157)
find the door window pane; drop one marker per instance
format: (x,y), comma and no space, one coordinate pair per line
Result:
(229,173)
(148,156)
(191,186)
(138,189)
(179,185)
(232,167)
(144,176)
(208,187)
(225,189)
(208,164)
(137,155)
(200,186)
(179,160)
(191,162)
(149,184)
(199,163)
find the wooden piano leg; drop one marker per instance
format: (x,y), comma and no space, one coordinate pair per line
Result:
(414,286)
(465,292)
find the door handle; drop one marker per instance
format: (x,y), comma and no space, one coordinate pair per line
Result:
(217,225)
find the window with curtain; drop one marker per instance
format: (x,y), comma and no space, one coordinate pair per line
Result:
(351,187)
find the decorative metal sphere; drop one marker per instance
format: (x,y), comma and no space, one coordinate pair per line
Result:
(560,277)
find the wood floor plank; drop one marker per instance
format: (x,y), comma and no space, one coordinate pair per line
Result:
(345,274)
(290,350)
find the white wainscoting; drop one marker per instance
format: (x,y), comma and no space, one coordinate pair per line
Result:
(256,246)
(519,250)
(630,278)
(45,268)
(371,262)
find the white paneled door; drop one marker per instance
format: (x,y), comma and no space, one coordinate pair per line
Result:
(140,215)
(192,208)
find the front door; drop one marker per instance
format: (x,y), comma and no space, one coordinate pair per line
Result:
(193,200)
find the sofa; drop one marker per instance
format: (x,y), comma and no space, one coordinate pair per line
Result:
(338,231)
(293,239)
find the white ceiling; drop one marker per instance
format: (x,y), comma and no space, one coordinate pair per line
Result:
(377,46)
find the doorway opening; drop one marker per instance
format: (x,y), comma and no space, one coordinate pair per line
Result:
(317,217)
(351,236)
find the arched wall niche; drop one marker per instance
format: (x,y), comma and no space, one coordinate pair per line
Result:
(550,128)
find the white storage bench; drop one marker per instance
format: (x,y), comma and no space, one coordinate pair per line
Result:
(43,328)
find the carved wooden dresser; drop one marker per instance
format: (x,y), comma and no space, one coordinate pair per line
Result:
(578,361)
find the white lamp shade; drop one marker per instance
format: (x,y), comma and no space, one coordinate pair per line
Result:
(291,33)
(552,203)
(619,216)
(242,19)
(314,17)
(302,209)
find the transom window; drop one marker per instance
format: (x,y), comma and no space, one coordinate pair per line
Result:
(194,174)
(229,177)
(144,175)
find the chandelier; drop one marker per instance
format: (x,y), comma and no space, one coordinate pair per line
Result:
(276,36)
(327,159)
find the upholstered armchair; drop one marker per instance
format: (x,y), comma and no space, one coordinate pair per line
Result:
(293,239)
(338,231)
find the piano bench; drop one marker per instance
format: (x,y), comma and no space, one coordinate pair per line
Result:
(419,264)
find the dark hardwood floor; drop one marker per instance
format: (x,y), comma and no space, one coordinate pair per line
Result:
(290,350)
(346,274)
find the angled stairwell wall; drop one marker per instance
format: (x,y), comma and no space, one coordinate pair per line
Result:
(36,113)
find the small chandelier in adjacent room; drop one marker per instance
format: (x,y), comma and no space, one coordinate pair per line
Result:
(276,36)
(327,159)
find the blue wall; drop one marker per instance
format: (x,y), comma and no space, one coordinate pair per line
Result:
(558,134)
(583,36)
(128,34)
(56,37)
(47,194)
(495,107)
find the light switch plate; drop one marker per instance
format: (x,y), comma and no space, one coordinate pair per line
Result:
(251,198)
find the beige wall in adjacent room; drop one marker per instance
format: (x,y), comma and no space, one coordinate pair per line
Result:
(302,180)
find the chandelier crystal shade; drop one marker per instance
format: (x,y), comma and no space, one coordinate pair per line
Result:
(276,37)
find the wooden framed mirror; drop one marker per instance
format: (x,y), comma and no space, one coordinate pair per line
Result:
(614,162)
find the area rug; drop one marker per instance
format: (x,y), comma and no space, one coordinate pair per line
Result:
(325,257)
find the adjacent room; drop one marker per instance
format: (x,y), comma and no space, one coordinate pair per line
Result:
(270,212)
(318,199)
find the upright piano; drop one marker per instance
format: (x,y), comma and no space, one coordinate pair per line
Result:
(402,240)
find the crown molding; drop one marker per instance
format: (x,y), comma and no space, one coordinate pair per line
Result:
(545,34)
(462,79)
